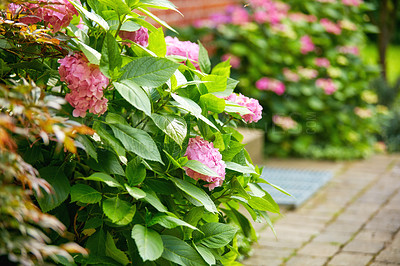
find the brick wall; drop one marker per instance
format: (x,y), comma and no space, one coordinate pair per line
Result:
(192,10)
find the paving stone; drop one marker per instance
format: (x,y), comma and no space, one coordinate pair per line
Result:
(275,252)
(389,255)
(318,250)
(362,246)
(353,259)
(383,223)
(383,264)
(334,238)
(345,226)
(259,261)
(372,235)
(306,261)
(279,244)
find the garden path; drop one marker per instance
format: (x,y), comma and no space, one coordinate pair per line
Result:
(354,220)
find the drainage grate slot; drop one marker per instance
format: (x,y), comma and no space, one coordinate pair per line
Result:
(302,184)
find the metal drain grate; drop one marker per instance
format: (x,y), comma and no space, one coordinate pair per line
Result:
(302,184)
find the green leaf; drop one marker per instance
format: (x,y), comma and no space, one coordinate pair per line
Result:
(244,223)
(118,5)
(135,192)
(200,168)
(179,252)
(170,222)
(135,173)
(157,43)
(110,56)
(102,177)
(119,211)
(155,18)
(130,26)
(263,204)
(159,4)
(204,60)
(215,235)
(91,54)
(223,69)
(109,139)
(148,242)
(60,186)
(93,16)
(113,252)
(88,145)
(192,107)
(134,95)
(205,253)
(85,194)
(137,141)
(231,107)
(173,126)
(212,103)
(96,243)
(214,83)
(153,200)
(149,71)
(240,168)
(196,193)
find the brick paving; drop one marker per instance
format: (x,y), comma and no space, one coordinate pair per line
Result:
(354,220)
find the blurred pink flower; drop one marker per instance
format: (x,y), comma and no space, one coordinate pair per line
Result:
(203,151)
(290,75)
(352,2)
(271,85)
(183,48)
(349,50)
(238,15)
(330,26)
(326,1)
(235,61)
(57,13)
(327,85)
(306,44)
(269,11)
(322,62)
(141,37)
(285,122)
(86,83)
(252,104)
(297,17)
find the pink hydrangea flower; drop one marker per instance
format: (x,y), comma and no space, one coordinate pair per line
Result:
(269,11)
(238,15)
(86,83)
(271,85)
(306,44)
(252,104)
(290,75)
(203,151)
(186,49)
(297,17)
(141,37)
(330,26)
(349,50)
(235,61)
(57,13)
(285,122)
(352,2)
(322,62)
(327,85)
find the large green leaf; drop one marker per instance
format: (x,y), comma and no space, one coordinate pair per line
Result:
(118,5)
(119,211)
(135,172)
(153,200)
(109,139)
(149,71)
(93,16)
(263,204)
(179,252)
(174,126)
(60,185)
(85,194)
(157,43)
(212,103)
(204,60)
(134,95)
(137,141)
(215,235)
(214,83)
(91,54)
(135,192)
(102,177)
(200,168)
(96,243)
(169,222)
(148,242)
(155,18)
(196,193)
(205,253)
(113,252)
(245,169)
(159,4)
(110,56)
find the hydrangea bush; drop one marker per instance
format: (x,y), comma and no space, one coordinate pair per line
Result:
(143,164)
(301,60)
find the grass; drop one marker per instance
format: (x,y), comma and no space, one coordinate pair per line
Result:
(370,55)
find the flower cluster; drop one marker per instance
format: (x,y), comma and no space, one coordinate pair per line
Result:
(203,151)
(326,84)
(330,27)
(57,13)
(306,44)
(141,37)
(352,2)
(322,62)
(285,122)
(270,84)
(251,104)
(183,48)
(269,11)
(290,75)
(354,50)
(86,83)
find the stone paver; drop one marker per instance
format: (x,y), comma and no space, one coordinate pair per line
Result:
(354,220)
